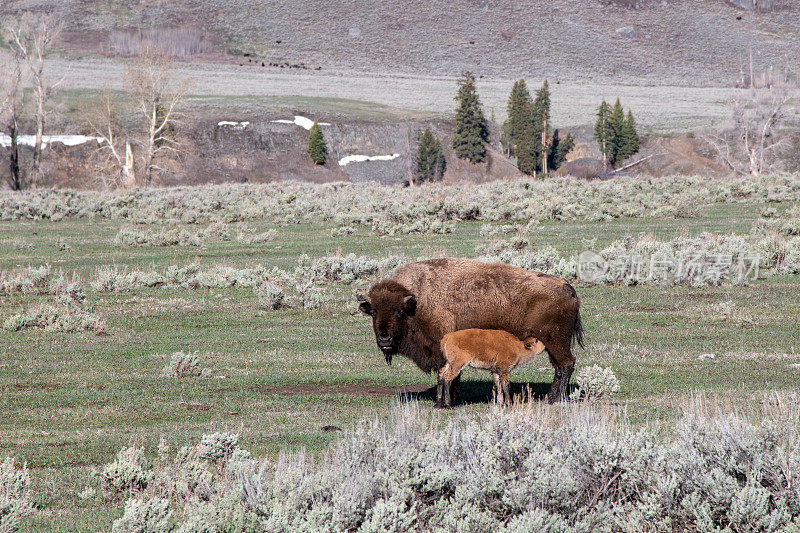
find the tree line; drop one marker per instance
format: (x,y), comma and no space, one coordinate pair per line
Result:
(528,134)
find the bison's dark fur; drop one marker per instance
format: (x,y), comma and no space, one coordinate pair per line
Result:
(412,311)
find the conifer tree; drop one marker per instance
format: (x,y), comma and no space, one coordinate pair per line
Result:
(559,148)
(317,148)
(526,153)
(541,124)
(604,133)
(430,162)
(617,142)
(518,124)
(630,137)
(471,131)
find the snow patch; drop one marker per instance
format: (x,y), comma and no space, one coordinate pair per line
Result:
(66,140)
(303,122)
(357,158)
(235,125)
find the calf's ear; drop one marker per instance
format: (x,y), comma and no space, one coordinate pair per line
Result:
(410,305)
(365,307)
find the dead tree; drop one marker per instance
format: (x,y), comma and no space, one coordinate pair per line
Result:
(10,105)
(155,101)
(114,143)
(750,141)
(32,39)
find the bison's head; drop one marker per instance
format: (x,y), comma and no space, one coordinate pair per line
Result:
(389,304)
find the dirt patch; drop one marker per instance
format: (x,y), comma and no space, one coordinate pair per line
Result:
(33,386)
(197,406)
(348,389)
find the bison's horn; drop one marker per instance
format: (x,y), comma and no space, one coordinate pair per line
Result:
(361,298)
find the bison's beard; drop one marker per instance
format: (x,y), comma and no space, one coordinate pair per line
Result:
(388,353)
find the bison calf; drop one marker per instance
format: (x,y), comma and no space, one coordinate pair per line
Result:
(497,351)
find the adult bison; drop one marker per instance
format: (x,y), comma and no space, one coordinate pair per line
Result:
(413,310)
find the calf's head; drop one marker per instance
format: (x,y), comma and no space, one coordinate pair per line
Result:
(389,304)
(532,344)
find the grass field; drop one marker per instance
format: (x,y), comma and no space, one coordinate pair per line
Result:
(71,400)
(249,90)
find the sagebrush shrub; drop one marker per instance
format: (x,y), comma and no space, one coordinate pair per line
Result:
(269,295)
(129,236)
(26,280)
(182,365)
(128,472)
(578,468)
(15,502)
(595,383)
(218,446)
(362,204)
(62,315)
(144,516)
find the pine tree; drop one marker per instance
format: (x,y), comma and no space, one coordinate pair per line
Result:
(617,142)
(471,131)
(317,148)
(630,137)
(430,162)
(541,124)
(604,133)
(526,154)
(559,148)
(519,115)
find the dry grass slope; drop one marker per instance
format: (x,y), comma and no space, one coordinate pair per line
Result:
(680,42)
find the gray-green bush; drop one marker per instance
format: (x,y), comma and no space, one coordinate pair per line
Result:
(58,316)
(595,383)
(577,468)
(128,473)
(389,208)
(182,365)
(15,502)
(706,259)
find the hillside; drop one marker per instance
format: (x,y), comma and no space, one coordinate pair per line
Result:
(664,42)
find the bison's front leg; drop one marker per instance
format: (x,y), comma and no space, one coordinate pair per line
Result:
(560,387)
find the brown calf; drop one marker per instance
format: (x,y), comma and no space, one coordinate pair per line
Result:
(495,350)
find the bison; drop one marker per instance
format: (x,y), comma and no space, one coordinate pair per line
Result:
(495,350)
(424,301)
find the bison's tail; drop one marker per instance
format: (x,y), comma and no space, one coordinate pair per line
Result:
(577,331)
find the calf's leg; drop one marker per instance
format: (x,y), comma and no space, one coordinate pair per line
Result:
(497,390)
(446,376)
(506,382)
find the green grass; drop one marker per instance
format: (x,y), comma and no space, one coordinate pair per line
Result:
(70,401)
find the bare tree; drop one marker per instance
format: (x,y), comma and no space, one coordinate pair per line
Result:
(10,105)
(32,39)
(750,141)
(156,98)
(113,143)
